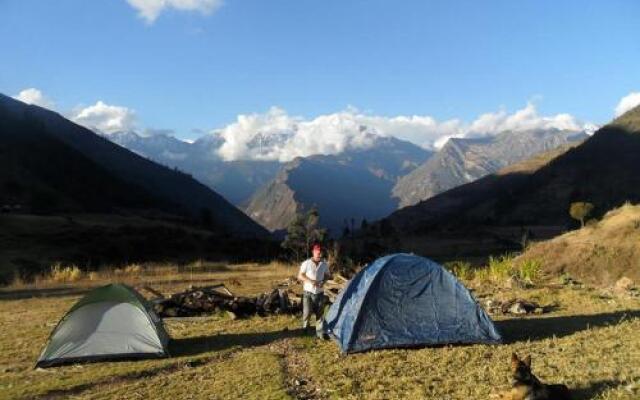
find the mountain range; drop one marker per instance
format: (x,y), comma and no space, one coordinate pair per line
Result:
(237,181)
(534,195)
(51,164)
(355,184)
(462,161)
(358,184)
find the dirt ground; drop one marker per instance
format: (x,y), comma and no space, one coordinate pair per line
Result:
(589,342)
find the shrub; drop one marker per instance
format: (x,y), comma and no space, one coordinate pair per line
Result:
(529,270)
(60,273)
(482,274)
(133,269)
(501,267)
(580,210)
(591,223)
(461,269)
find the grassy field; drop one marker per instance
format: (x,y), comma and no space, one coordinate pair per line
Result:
(590,342)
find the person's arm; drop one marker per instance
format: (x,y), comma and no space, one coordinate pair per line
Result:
(325,276)
(328,275)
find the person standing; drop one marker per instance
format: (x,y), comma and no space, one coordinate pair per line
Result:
(314,272)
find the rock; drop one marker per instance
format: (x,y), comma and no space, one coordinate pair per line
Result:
(515,283)
(171,312)
(493,306)
(523,307)
(517,309)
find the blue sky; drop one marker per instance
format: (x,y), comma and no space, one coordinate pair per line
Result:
(199,69)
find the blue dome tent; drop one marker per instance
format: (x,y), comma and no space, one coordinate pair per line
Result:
(403,300)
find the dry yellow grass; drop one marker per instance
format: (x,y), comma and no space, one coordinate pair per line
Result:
(60,273)
(590,343)
(600,253)
(166,277)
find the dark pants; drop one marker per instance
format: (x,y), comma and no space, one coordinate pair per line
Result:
(313,304)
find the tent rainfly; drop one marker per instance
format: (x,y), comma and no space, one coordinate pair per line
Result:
(109,323)
(403,300)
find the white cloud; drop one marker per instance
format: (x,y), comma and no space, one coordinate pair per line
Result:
(627,103)
(149,10)
(105,118)
(35,97)
(522,120)
(275,135)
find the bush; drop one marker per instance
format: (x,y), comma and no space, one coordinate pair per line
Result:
(482,274)
(461,269)
(133,269)
(580,210)
(504,267)
(60,273)
(591,223)
(529,270)
(501,267)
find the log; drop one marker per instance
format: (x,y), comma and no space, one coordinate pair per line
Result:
(153,291)
(199,300)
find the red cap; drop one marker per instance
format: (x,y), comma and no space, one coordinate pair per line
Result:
(316,247)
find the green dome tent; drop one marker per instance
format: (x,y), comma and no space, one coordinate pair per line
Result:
(110,322)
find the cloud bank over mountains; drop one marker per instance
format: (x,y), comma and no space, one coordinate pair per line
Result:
(627,103)
(104,117)
(100,116)
(278,136)
(35,97)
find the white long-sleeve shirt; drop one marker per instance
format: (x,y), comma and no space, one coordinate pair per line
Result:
(314,271)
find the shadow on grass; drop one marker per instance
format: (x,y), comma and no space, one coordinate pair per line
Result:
(594,389)
(56,394)
(19,294)
(203,344)
(62,291)
(523,329)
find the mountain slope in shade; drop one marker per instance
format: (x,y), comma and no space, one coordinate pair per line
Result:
(355,184)
(236,181)
(604,170)
(95,161)
(464,160)
(42,174)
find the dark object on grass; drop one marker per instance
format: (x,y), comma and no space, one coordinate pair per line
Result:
(525,385)
(205,300)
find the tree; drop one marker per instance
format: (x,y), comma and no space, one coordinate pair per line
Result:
(580,210)
(302,232)
(385,228)
(345,230)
